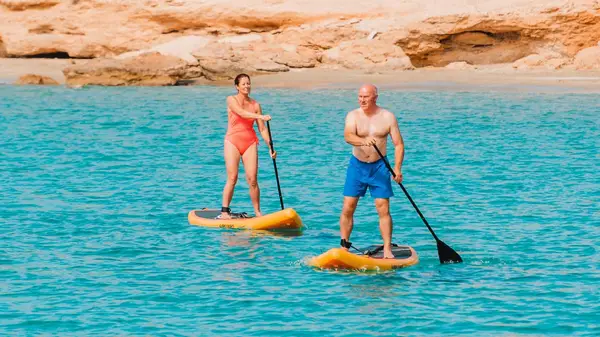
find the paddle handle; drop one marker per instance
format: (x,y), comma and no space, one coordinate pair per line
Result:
(275,165)
(406,193)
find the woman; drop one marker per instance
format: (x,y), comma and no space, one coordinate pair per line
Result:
(241,142)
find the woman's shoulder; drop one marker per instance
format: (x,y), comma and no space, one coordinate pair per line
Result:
(231,99)
(254,102)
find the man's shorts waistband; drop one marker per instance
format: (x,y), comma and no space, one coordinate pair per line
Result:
(356,160)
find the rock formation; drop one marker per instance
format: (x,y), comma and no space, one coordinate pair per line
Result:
(2,48)
(546,60)
(35,79)
(151,69)
(588,58)
(216,39)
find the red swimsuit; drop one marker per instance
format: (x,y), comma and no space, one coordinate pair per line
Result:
(240,132)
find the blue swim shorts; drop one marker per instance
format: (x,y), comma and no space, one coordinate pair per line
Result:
(361,175)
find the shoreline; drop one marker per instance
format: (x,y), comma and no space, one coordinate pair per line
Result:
(491,78)
(479,78)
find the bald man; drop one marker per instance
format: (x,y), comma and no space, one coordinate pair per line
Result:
(367,126)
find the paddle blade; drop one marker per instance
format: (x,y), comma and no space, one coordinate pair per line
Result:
(447,254)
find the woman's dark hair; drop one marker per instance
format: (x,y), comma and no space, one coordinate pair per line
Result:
(239,77)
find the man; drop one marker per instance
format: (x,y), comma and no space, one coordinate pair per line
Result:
(367,126)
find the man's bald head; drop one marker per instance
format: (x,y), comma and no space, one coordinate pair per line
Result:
(368,89)
(367,97)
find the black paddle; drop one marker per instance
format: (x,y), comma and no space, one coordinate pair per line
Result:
(446,254)
(275,165)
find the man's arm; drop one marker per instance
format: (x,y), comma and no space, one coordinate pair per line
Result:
(350,135)
(398,147)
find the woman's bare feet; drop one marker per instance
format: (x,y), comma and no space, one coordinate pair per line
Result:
(387,253)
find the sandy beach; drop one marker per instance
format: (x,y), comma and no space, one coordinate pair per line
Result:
(482,78)
(489,78)
(11,69)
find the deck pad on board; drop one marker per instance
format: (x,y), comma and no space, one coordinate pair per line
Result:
(214,213)
(400,252)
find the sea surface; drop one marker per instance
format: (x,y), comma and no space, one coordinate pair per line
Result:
(96,184)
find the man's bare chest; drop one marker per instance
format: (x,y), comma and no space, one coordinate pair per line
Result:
(371,127)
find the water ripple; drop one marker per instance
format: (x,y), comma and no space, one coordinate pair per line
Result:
(97,183)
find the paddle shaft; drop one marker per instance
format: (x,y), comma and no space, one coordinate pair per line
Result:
(406,193)
(275,165)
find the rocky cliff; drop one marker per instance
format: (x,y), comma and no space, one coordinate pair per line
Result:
(215,39)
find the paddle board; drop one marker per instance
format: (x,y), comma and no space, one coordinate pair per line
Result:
(369,259)
(286,219)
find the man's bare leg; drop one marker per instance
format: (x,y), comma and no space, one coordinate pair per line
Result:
(385,226)
(347,218)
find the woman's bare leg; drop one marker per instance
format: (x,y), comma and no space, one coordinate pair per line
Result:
(232,164)
(250,160)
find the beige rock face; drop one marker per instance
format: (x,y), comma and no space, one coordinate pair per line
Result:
(73,28)
(545,60)
(459,66)
(588,58)
(152,69)
(318,38)
(223,61)
(370,55)
(2,48)
(293,59)
(21,5)
(61,46)
(219,38)
(182,47)
(36,79)
(490,39)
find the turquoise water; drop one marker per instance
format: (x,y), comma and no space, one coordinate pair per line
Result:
(96,185)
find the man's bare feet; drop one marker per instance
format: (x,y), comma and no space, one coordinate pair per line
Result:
(257,213)
(225,216)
